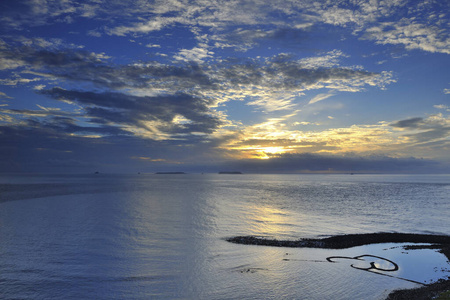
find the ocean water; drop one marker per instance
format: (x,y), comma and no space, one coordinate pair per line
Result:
(154,236)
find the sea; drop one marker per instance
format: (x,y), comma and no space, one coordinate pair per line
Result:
(164,236)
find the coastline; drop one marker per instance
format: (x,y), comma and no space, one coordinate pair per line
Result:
(439,242)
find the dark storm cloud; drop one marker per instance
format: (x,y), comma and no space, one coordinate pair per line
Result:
(133,110)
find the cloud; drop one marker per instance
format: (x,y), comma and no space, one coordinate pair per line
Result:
(5,96)
(154,117)
(155,24)
(32,13)
(82,66)
(272,84)
(413,24)
(166,102)
(179,101)
(417,25)
(197,55)
(17,80)
(278,135)
(426,135)
(244,39)
(326,60)
(312,163)
(275,83)
(289,74)
(421,137)
(442,106)
(36,113)
(410,34)
(153,46)
(40,148)
(320,97)
(436,121)
(409,123)
(53,144)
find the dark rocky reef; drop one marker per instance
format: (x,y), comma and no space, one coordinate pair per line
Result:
(347,240)
(424,293)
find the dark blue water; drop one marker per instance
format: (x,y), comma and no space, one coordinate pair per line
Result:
(162,236)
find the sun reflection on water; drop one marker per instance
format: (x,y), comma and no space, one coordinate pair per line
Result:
(267,220)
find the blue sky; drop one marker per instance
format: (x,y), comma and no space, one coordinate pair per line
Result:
(259,86)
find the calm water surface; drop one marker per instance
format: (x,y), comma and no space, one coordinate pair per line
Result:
(162,236)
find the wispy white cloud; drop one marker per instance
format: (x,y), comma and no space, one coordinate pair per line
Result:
(4,96)
(320,97)
(17,80)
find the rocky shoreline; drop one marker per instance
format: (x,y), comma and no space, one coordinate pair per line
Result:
(439,242)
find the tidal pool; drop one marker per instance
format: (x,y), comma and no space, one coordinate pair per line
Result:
(363,272)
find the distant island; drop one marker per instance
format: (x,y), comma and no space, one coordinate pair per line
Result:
(159,173)
(228,172)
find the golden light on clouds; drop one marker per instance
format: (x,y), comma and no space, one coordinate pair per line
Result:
(275,137)
(263,152)
(272,139)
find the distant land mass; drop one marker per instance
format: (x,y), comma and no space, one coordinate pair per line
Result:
(170,173)
(228,172)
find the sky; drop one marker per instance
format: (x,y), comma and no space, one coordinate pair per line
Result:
(285,86)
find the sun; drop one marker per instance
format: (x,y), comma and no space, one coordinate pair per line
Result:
(267,152)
